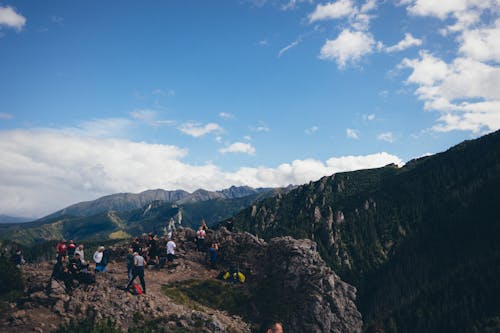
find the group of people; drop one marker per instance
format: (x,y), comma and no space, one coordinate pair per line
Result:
(72,267)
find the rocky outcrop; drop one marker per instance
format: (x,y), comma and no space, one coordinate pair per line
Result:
(294,284)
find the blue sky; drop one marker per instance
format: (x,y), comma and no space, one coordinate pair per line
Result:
(235,91)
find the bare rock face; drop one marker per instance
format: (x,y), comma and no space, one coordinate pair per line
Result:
(295,285)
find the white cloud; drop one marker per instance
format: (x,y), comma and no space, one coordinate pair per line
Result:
(386,136)
(226,115)
(311,130)
(352,133)
(407,42)
(465,91)
(150,117)
(288,47)
(260,128)
(238,147)
(482,44)
(10,18)
(333,10)
(6,116)
(369,117)
(163,92)
(359,17)
(45,170)
(348,47)
(263,42)
(197,130)
(247,137)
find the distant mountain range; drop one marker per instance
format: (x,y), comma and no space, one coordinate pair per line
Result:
(14,219)
(421,242)
(125,214)
(121,202)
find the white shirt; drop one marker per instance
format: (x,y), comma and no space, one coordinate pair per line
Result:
(81,253)
(97,257)
(170,247)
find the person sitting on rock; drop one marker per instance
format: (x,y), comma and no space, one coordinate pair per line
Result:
(71,249)
(275,328)
(100,260)
(77,270)
(81,253)
(61,272)
(138,271)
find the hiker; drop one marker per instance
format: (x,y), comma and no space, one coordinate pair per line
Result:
(71,248)
(100,260)
(17,258)
(153,250)
(136,247)
(61,249)
(204,225)
(138,271)
(130,262)
(213,254)
(61,273)
(78,272)
(275,328)
(200,239)
(81,253)
(171,250)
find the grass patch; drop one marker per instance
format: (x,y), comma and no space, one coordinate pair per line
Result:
(234,299)
(120,234)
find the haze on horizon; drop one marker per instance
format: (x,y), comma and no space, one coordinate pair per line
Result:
(98,98)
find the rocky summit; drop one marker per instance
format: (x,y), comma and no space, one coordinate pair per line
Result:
(286,280)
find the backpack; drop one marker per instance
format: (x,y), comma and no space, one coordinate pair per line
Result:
(136,289)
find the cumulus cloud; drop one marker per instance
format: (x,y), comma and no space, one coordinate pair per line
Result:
(465,91)
(261,127)
(352,133)
(45,170)
(349,47)
(197,130)
(482,44)
(11,19)
(386,136)
(407,42)
(333,10)
(238,147)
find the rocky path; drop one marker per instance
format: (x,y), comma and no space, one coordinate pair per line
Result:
(47,305)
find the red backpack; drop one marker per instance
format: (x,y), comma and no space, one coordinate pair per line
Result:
(136,289)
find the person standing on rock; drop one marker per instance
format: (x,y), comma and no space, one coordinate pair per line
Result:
(200,239)
(275,328)
(138,271)
(130,262)
(171,250)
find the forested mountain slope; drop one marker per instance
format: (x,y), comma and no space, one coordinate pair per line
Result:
(421,242)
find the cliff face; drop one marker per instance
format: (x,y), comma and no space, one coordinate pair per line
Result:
(292,284)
